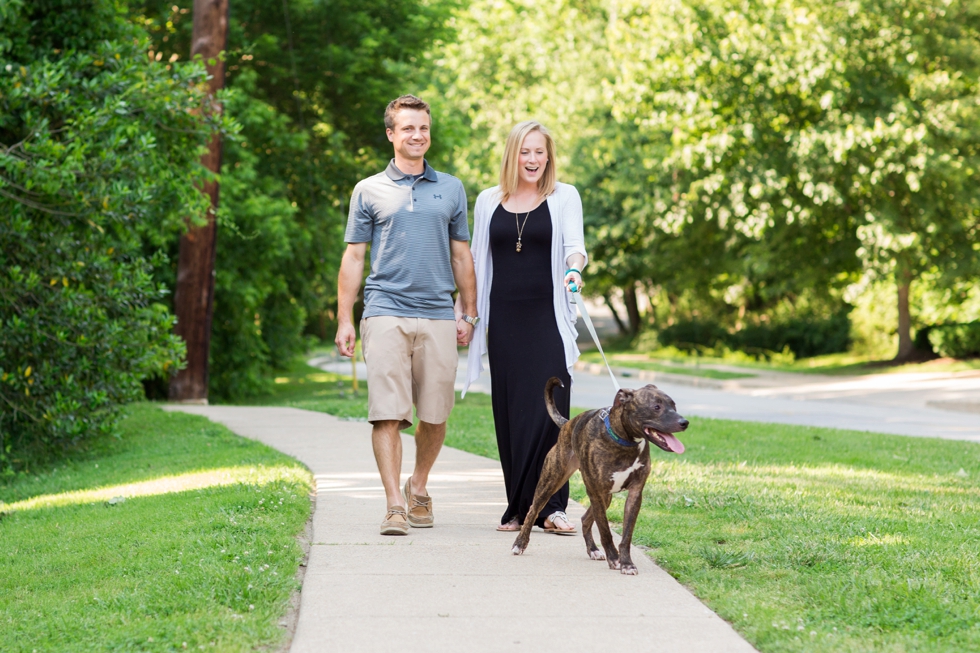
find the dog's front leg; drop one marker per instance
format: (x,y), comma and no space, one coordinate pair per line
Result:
(590,546)
(599,504)
(634,499)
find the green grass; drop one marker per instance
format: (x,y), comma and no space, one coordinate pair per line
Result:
(201,552)
(810,539)
(805,539)
(848,364)
(641,363)
(470,426)
(842,364)
(302,386)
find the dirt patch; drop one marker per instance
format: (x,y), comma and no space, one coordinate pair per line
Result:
(958,406)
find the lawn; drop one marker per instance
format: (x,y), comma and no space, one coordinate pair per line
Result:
(641,362)
(302,386)
(843,364)
(805,539)
(177,535)
(811,539)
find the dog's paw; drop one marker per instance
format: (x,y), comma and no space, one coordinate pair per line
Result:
(628,570)
(519,545)
(596,554)
(613,564)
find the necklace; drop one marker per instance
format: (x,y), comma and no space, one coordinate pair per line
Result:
(520,227)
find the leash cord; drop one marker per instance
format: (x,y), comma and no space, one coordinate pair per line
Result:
(577,298)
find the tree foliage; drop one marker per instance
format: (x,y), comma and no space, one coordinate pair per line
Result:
(742,161)
(98,154)
(308,81)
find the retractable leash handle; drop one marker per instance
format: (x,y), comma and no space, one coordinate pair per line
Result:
(577,298)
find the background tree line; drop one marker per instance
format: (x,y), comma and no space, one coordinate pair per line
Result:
(101,130)
(760,173)
(755,169)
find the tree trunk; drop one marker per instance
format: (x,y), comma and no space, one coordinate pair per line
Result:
(632,308)
(194,296)
(612,309)
(903,279)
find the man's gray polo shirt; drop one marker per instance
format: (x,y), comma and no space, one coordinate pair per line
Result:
(409,222)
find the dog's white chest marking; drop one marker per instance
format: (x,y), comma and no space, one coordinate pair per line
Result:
(619,478)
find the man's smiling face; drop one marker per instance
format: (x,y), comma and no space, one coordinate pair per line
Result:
(533,158)
(410,135)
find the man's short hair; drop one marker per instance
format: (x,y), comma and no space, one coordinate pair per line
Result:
(404,102)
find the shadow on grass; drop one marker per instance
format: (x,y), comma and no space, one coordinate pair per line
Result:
(150,444)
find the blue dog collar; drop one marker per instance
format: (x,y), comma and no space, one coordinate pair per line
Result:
(604,413)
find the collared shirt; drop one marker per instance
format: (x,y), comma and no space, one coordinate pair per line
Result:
(409,222)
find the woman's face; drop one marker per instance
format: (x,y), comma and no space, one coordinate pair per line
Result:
(533,158)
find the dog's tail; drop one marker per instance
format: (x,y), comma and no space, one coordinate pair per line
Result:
(549,400)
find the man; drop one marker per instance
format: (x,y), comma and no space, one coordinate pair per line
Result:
(415,220)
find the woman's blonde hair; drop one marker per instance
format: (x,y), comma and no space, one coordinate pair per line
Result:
(512,152)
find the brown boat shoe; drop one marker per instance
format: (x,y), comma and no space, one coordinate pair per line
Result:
(419,507)
(395,522)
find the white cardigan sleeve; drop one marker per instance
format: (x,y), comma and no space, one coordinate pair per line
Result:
(573,233)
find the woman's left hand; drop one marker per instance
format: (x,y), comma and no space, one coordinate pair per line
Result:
(573,277)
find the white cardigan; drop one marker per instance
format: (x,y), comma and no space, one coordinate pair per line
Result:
(567,238)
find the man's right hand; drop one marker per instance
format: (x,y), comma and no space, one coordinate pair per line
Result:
(346,339)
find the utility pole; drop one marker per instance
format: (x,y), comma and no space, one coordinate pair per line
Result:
(194,297)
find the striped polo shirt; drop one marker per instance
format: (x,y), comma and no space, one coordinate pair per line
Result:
(409,221)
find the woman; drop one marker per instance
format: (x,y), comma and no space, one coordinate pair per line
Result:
(528,247)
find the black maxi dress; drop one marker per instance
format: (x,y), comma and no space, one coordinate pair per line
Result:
(525,350)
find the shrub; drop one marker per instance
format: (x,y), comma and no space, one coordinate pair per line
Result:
(921,341)
(689,335)
(805,336)
(258,316)
(99,151)
(956,340)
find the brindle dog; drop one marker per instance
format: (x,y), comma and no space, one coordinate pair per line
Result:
(609,446)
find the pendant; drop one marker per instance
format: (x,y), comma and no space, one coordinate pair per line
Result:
(518,245)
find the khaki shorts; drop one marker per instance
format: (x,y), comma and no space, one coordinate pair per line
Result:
(409,361)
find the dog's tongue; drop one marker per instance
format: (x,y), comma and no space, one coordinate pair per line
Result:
(673,443)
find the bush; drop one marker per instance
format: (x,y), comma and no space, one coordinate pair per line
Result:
(258,317)
(99,151)
(956,340)
(804,336)
(689,335)
(921,341)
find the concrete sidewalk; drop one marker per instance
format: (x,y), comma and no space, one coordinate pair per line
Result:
(457,586)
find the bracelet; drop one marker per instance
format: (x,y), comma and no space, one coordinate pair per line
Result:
(569,270)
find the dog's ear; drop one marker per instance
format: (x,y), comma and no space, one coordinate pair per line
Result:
(624,396)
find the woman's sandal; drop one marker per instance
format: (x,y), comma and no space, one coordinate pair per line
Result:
(511,526)
(554,518)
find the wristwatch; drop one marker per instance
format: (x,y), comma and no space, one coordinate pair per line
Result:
(472,321)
